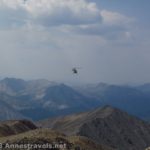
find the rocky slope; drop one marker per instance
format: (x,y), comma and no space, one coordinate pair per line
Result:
(107,125)
(13,127)
(54,139)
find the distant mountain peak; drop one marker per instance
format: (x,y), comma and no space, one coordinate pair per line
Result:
(12,85)
(10,79)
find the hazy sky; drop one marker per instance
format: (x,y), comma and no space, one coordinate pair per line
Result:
(108,39)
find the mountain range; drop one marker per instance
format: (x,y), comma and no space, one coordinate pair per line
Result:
(133,99)
(23,99)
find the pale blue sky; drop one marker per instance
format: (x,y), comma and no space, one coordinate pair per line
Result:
(135,8)
(108,39)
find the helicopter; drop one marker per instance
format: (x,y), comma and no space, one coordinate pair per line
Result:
(75,70)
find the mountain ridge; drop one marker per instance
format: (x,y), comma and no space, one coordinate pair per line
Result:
(48,99)
(13,127)
(44,98)
(107,125)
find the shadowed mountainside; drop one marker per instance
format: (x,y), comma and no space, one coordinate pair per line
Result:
(124,97)
(8,112)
